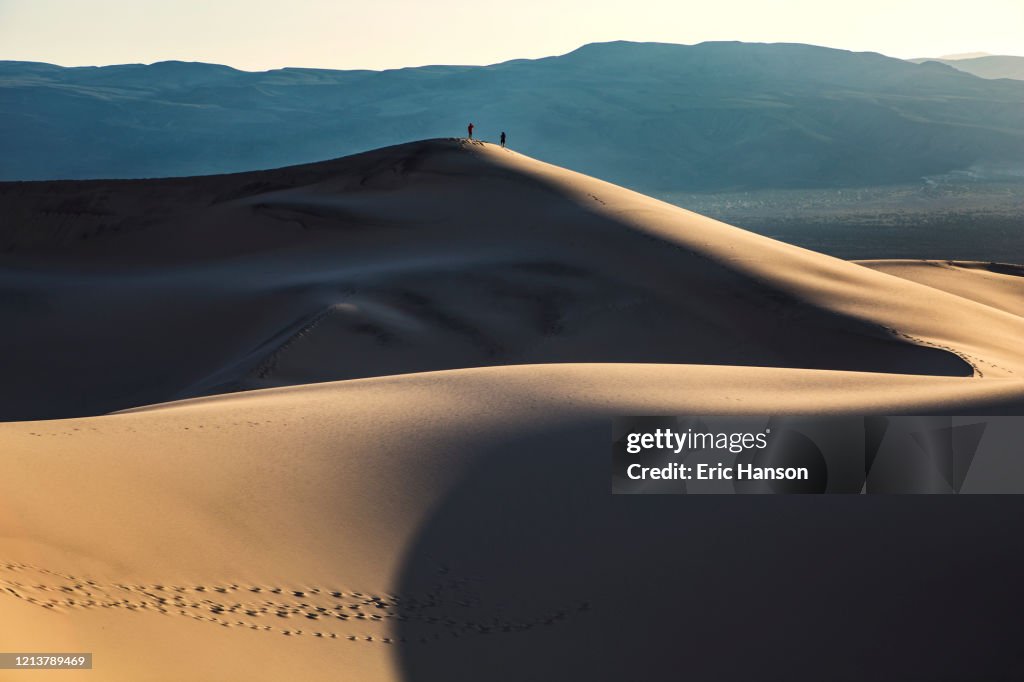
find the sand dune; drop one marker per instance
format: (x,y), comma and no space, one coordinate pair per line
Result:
(439,513)
(999,285)
(427,256)
(428,526)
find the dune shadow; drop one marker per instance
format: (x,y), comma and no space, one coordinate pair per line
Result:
(532,570)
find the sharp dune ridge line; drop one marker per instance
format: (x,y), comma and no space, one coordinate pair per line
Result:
(336,386)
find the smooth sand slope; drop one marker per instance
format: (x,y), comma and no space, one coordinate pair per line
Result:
(999,285)
(426,256)
(457,525)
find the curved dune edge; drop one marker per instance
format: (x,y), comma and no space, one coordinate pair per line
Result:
(698,389)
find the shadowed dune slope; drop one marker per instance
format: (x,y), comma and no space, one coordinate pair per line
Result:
(425,256)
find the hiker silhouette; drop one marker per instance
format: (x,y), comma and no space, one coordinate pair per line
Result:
(502,138)
(470,128)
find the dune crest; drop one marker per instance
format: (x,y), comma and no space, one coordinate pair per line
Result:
(433,255)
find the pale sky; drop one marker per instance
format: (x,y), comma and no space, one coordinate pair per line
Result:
(379,34)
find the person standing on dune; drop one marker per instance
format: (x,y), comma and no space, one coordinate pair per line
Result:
(502,138)
(470,131)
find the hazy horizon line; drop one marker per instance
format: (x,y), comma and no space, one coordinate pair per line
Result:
(949,57)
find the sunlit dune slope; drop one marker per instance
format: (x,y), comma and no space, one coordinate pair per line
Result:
(999,285)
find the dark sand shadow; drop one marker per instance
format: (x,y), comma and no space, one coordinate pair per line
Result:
(538,573)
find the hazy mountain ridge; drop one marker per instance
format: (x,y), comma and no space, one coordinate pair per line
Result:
(987,66)
(651,116)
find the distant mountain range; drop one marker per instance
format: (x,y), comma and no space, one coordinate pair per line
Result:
(650,116)
(986,66)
